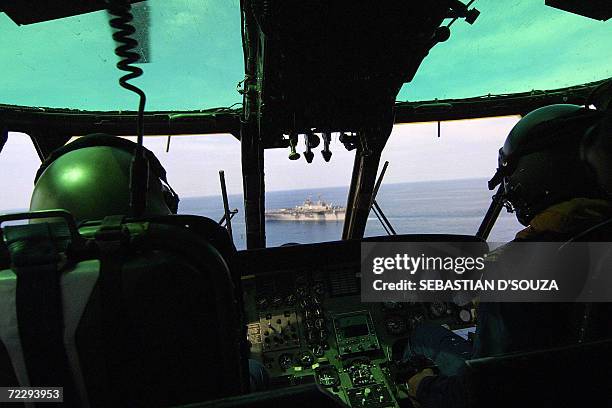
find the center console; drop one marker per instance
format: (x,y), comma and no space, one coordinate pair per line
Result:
(307,323)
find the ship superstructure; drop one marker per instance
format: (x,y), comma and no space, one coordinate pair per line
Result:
(309,211)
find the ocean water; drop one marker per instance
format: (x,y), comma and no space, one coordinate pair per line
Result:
(453,207)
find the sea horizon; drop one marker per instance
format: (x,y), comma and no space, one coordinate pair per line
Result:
(455,206)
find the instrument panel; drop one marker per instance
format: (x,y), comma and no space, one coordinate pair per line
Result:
(307,324)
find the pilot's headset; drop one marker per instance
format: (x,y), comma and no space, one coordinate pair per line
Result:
(90,177)
(596,147)
(539,163)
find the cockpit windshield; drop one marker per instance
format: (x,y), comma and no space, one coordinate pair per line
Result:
(514,46)
(196,57)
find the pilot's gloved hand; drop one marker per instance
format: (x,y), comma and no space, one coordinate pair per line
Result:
(415,381)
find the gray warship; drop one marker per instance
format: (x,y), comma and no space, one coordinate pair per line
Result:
(309,211)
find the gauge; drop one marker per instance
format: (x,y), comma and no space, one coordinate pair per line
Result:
(277,301)
(262,303)
(360,374)
(318,350)
(308,324)
(305,359)
(465,315)
(395,325)
(290,300)
(311,336)
(328,377)
(285,361)
(438,309)
(319,323)
(301,291)
(323,334)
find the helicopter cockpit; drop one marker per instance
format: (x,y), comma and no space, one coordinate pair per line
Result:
(326,75)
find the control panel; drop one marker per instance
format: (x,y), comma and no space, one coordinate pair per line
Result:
(309,325)
(355,334)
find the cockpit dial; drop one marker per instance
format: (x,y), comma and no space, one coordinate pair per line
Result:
(395,325)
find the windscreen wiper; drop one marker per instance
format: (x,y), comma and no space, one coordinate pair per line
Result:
(227,214)
(376,208)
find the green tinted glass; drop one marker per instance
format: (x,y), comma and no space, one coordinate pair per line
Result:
(514,46)
(196,59)
(196,55)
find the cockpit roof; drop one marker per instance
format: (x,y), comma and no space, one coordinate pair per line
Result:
(197,58)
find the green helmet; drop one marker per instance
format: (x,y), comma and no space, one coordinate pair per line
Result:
(539,163)
(90,178)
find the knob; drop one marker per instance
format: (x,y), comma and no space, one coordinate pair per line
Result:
(318,350)
(293,140)
(306,359)
(349,141)
(441,34)
(326,153)
(262,303)
(285,361)
(313,140)
(309,156)
(310,140)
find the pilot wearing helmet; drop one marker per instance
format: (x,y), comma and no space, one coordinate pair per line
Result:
(553,194)
(90,178)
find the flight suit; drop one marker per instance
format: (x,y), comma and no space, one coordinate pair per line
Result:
(509,327)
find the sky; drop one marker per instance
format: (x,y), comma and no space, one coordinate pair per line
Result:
(514,46)
(465,149)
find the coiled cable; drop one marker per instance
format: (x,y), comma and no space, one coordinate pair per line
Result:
(121,22)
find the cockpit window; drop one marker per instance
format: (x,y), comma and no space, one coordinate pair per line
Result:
(193,164)
(514,46)
(195,59)
(18,164)
(305,203)
(438,184)
(196,56)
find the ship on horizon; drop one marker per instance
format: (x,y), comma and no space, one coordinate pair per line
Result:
(309,211)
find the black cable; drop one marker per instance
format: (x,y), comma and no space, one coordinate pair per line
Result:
(121,23)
